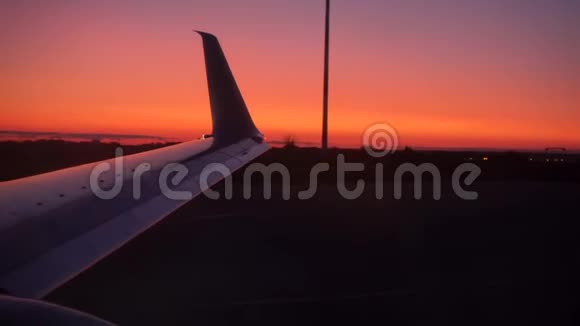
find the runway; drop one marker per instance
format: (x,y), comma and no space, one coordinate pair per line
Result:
(504,258)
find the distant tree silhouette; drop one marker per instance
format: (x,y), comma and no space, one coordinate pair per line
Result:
(290,142)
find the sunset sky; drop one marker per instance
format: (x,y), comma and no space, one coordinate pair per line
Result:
(479,74)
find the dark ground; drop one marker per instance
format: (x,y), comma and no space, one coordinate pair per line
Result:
(510,257)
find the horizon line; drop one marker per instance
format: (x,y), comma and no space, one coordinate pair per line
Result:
(103,137)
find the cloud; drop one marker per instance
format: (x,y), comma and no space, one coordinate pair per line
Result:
(83,136)
(277,142)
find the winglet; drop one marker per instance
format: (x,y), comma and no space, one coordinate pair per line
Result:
(230,117)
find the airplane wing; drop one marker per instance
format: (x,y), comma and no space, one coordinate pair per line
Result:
(55,225)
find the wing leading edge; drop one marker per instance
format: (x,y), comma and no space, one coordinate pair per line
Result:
(52,226)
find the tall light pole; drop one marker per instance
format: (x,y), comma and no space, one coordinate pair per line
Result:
(325,91)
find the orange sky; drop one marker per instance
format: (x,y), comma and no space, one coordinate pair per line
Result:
(455,74)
